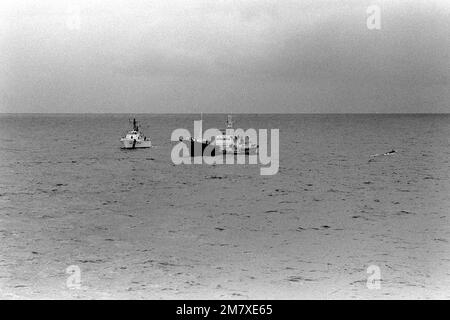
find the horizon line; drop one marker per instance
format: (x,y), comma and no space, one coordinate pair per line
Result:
(255,113)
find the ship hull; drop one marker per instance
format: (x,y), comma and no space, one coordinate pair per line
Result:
(136,144)
(237,150)
(199,149)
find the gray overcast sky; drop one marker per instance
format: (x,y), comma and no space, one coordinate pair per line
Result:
(224,56)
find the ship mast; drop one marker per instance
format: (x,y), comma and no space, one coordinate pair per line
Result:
(229,122)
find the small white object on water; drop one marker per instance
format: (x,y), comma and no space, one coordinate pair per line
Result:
(382,154)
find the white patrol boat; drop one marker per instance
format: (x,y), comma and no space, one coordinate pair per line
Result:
(135,138)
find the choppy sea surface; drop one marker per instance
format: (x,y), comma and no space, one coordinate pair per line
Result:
(137,226)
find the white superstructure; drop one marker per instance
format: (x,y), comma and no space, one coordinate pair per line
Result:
(135,138)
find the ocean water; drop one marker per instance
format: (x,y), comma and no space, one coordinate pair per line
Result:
(137,226)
